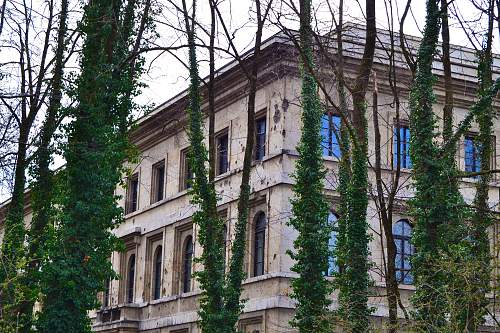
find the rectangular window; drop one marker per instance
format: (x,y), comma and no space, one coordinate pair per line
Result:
(186,175)
(131,203)
(401,140)
(158,181)
(330,131)
(260,138)
(472,154)
(222,161)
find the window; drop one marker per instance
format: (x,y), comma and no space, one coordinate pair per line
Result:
(131,202)
(130,279)
(330,129)
(107,286)
(404,250)
(186,175)
(259,244)
(222,160)
(402,139)
(157,273)
(158,182)
(186,264)
(472,154)
(332,242)
(260,138)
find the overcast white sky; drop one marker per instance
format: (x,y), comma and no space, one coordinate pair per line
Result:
(166,77)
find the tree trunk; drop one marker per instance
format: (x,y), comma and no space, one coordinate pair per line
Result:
(42,191)
(236,272)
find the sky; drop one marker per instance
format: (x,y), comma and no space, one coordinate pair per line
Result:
(165,76)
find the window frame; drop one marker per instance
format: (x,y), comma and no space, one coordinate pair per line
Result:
(218,166)
(472,137)
(331,135)
(157,272)
(331,247)
(405,240)
(405,163)
(131,192)
(186,175)
(106,295)
(261,117)
(187,264)
(155,183)
(131,275)
(259,229)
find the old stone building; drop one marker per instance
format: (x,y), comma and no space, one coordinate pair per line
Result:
(157,293)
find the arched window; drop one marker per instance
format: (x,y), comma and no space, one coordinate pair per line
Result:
(332,242)
(187,263)
(259,244)
(404,250)
(157,273)
(131,279)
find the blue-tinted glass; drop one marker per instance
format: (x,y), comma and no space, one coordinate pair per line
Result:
(325,134)
(332,242)
(402,137)
(408,278)
(404,250)
(472,157)
(335,134)
(330,127)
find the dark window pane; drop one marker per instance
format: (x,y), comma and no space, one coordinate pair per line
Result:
(260,138)
(222,154)
(160,182)
(259,244)
(186,173)
(131,279)
(157,273)
(187,263)
(132,194)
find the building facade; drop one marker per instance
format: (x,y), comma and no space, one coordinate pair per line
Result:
(157,293)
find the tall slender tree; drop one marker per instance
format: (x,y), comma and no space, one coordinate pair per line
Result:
(440,234)
(203,193)
(78,261)
(309,207)
(42,189)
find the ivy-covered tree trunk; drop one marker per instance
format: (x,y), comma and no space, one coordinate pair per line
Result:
(210,236)
(480,273)
(310,210)
(429,281)
(13,242)
(236,272)
(42,190)
(353,280)
(97,146)
(438,205)
(444,257)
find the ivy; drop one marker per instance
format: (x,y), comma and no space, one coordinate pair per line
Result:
(309,207)
(78,255)
(212,311)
